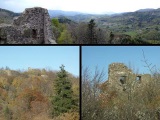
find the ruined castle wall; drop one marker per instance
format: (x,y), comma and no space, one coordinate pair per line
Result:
(48,37)
(145,78)
(116,71)
(120,75)
(32,27)
(8,33)
(13,35)
(27,17)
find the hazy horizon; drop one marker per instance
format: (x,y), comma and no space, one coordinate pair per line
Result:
(93,7)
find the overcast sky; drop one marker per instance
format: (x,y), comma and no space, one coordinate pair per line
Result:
(89,6)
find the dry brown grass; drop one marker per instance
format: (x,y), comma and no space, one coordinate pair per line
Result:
(68,116)
(65,116)
(42,116)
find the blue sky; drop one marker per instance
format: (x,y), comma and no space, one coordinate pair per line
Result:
(52,57)
(102,56)
(89,6)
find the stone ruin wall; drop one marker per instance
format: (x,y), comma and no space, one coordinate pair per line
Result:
(32,27)
(115,71)
(119,74)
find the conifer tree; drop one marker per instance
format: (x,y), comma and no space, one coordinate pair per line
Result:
(91,32)
(63,99)
(111,38)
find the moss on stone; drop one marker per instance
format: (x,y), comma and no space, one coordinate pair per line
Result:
(27,33)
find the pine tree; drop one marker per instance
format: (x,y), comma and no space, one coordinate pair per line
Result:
(63,100)
(91,32)
(111,38)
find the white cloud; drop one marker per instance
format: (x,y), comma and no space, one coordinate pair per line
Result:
(96,6)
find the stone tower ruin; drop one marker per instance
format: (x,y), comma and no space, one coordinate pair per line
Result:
(119,75)
(32,27)
(117,71)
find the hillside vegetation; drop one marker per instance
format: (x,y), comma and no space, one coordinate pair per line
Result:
(69,32)
(32,95)
(143,26)
(101,102)
(139,27)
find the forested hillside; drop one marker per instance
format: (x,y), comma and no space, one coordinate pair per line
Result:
(38,94)
(89,33)
(139,27)
(143,24)
(7,16)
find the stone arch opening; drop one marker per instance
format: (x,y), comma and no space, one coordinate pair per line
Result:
(34,33)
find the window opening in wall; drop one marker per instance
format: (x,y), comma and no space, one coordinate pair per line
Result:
(122,79)
(3,40)
(138,78)
(34,34)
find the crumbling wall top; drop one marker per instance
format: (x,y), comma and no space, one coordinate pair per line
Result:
(118,68)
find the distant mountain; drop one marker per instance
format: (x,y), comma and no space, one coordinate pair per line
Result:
(63,19)
(6,16)
(145,25)
(8,12)
(145,10)
(147,15)
(56,13)
(83,18)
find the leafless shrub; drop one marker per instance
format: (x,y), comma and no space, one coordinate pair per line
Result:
(90,92)
(135,103)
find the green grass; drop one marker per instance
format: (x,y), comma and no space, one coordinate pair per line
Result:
(131,33)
